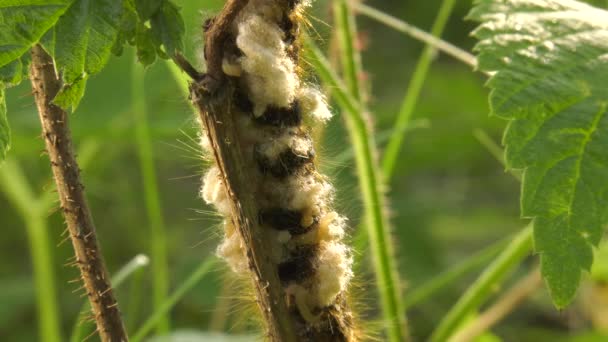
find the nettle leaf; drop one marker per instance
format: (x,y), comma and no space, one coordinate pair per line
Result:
(14,72)
(146,8)
(168,29)
(127,26)
(549,65)
(146,45)
(154,27)
(23,22)
(5,133)
(81,44)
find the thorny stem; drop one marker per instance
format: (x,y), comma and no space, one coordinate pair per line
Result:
(58,140)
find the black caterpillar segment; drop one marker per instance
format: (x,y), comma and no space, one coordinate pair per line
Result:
(300,266)
(290,29)
(242,101)
(330,328)
(286,164)
(292,4)
(284,219)
(281,117)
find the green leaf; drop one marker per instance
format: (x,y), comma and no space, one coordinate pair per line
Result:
(168,28)
(128,23)
(71,94)
(146,8)
(14,72)
(5,133)
(549,61)
(146,47)
(81,44)
(23,22)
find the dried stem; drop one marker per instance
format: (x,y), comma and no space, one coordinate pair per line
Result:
(214,96)
(215,38)
(215,113)
(58,140)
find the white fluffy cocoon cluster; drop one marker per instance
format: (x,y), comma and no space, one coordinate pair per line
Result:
(334,271)
(269,72)
(268,76)
(213,192)
(313,102)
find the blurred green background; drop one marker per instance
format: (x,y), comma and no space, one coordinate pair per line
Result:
(448,199)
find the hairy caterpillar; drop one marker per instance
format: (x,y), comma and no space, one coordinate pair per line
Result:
(288,199)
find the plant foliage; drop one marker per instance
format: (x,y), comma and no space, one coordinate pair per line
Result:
(5,133)
(549,61)
(81,35)
(23,22)
(81,43)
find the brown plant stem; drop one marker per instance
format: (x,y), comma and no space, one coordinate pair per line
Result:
(76,212)
(216,35)
(214,97)
(215,113)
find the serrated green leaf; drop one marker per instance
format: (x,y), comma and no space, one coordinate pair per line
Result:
(549,60)
(5,133)
(168,28)
(128,24)
(70,95)
(23,22)
(82,43)
(146,49)
(146,8)
(14,72)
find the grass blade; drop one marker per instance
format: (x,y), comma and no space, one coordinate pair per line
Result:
(20,194)
(480,290)
(496,151)
(418,34)
(429,288)
(370,183)
(158,238)
(170,302)
(413,91)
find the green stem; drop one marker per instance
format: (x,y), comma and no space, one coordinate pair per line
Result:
(34,215)
(350,57)
(481,289)
(135,299)
(418,34)
(81,325)
(46,293)
(442,280)
(181,79)
(158,239)
(393,148)
(495,150)
(170,302)
(376,222)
